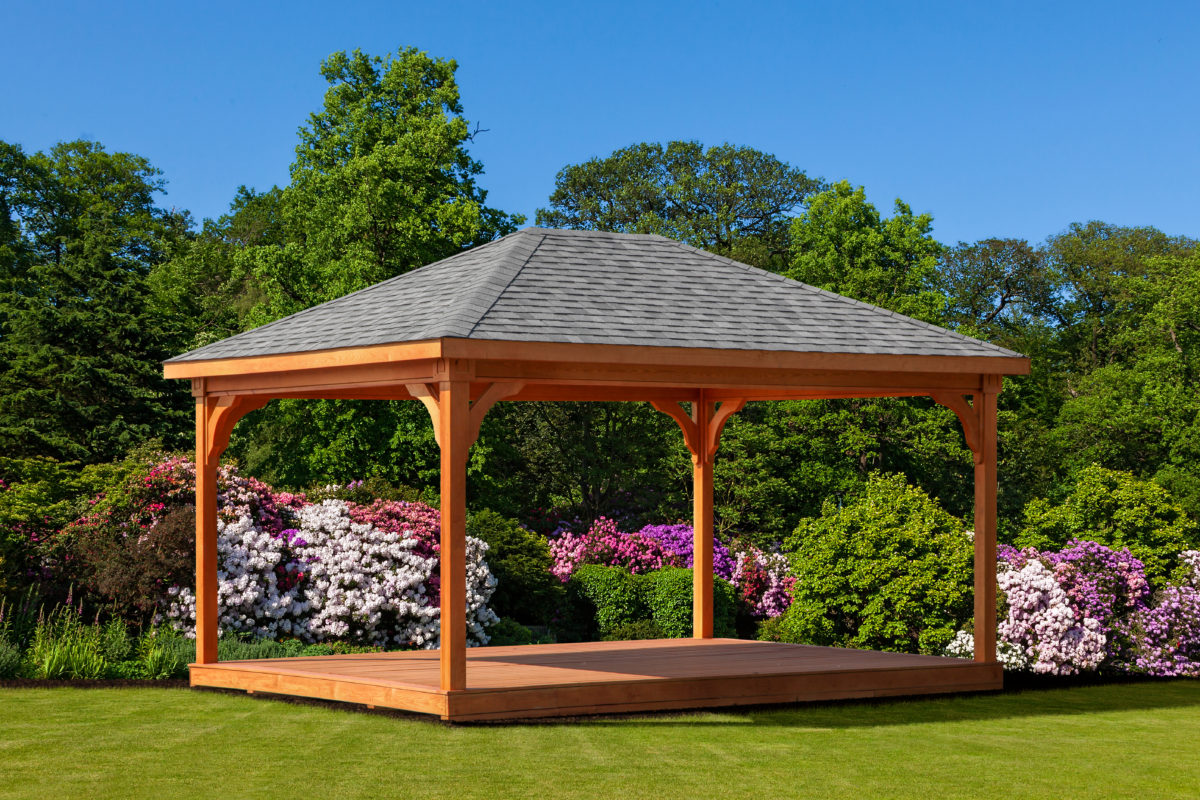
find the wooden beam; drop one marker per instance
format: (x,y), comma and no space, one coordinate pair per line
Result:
(430,395)
(454,423)
(317,359)
(968,415)
(622,355)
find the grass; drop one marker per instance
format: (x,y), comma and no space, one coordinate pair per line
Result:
(1128,740)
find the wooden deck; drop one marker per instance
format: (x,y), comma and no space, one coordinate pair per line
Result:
(604,677)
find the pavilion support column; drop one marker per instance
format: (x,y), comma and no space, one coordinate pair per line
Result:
(206,539)
(702,435)
(702,526)
(454,420)
(985,522)
(215,418)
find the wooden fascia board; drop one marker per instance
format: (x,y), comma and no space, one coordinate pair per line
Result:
(605,364)
(319,359)
(481,349)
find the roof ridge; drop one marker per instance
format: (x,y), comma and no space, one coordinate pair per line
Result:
(499,292)
(841,297)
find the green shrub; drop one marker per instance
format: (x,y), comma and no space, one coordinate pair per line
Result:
(609,596)
(10,659)
(1117,510)
(890,570)
(520,559)
(507,632)
(164,653)
(234,649)
(642,629)
(668,596)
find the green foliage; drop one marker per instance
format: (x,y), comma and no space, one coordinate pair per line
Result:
(841,243)
(889,570)
(613,599)
(1118,510)
(79,343)
(382,184)
(730,200)
(10,660)
(608,596)
(509,632)
(642,629)
(520,559)
(668,596)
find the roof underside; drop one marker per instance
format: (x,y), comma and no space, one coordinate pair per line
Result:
(585,287)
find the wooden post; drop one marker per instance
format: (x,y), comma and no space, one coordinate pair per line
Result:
(702,524)
(702,435)
(454,421)
(985,522)
(206,536)
(215,418)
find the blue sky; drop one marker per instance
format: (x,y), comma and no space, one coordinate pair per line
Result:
(1001,119)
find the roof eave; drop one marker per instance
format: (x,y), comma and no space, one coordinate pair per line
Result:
(633,355)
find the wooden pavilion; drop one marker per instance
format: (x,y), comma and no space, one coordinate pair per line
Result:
(578,315)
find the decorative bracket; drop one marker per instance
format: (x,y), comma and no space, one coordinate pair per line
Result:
(429,395)
(220,415)
(968,410)
(702,429)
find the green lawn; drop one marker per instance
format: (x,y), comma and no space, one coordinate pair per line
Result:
(1136,740)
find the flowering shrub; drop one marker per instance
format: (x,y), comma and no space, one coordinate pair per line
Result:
(760,578)
(286,566)
(1088,607)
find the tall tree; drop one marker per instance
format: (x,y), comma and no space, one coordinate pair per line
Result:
(80,339)
(382,183)
(733,201)
(842,243)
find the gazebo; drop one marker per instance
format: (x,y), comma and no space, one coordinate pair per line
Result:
(547,314)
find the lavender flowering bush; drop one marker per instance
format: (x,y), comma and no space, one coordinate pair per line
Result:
(1088,607)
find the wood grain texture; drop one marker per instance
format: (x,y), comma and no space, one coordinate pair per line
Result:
(604,677)
(454,422)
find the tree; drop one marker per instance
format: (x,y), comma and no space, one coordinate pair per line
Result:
(841,243)
(382,184)
(1117,510)
(730,200)
(997,286)
(81,340)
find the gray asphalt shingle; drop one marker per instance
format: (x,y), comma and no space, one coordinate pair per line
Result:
(548,285)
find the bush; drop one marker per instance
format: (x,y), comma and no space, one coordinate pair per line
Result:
(642,629)
(509,632)
(520,559)
(890,570)
(613,598)
(1118,510)
(668,595)
(610,596)
(10,660)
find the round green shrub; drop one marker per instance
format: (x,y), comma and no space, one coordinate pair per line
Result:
(611,596)
(520,559)
(890,570)
(1117,510)
(509,632)
(642,629)
(668,595)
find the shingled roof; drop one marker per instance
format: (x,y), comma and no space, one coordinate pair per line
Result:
(550,285)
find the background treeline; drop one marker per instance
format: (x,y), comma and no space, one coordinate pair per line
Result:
(100,281)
